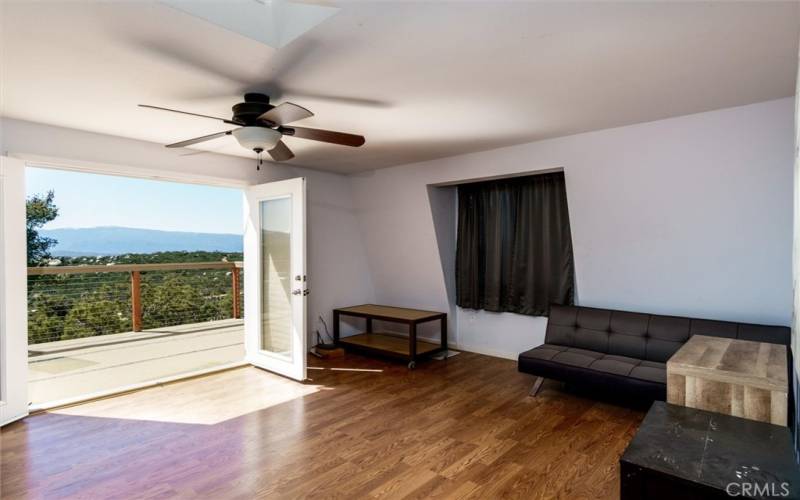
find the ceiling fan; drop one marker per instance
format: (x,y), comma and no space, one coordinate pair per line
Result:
(262,126)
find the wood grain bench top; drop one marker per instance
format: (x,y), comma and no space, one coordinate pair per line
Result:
(755,364)
(389,312)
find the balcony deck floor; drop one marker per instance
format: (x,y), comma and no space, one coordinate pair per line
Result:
(69,369)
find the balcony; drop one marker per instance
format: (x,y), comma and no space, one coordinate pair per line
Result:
(97,329)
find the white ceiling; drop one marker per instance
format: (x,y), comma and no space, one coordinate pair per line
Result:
(419,80)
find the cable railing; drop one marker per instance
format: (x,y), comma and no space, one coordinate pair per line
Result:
(69,302)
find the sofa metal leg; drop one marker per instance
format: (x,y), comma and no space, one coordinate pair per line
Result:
(537,384)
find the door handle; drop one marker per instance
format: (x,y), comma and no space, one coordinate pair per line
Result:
(297,292)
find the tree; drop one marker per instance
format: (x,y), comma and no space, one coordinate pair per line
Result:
(39,210)
(43,326)
(96,315)
(176,300)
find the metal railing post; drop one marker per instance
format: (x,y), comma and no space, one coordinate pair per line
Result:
(237,307)
(136,301)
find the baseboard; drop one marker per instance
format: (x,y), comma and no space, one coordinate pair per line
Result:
(466,348)
(485,352)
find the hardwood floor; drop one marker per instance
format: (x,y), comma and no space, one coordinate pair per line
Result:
(361,428)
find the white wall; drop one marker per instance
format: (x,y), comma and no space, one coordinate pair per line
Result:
(689,216)
(336,268)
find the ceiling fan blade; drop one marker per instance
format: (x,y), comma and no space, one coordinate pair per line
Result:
(281,152)
(286,113)
(188,113)
(316,134)
(196,140)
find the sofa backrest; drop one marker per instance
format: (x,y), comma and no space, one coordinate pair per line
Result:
(644,336)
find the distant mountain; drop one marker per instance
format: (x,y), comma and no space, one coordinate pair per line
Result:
(94,241)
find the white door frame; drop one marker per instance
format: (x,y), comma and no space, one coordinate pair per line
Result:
(13,292)
(295,190)
(87,167)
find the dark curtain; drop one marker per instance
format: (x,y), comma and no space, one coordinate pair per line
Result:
(514,247)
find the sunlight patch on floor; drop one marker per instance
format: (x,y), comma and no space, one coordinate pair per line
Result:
(344,369)
(204,400)
(57,366)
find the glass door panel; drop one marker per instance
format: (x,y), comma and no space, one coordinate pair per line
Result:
(276,265)
(275,280)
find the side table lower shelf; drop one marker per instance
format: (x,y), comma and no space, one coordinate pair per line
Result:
(380,342)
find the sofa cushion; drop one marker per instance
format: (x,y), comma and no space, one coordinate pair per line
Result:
(545,351)
(599,362)
(620,365)
(577,357)
(650,370)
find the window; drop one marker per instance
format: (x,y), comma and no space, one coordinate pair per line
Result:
(514,246)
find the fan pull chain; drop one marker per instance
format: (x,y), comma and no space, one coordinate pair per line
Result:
(260,161)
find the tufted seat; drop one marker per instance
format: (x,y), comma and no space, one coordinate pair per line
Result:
(608,363)
(625,350)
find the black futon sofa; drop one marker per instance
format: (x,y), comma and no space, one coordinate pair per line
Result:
(624,352)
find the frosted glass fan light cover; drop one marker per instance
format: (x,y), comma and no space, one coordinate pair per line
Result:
(257,137)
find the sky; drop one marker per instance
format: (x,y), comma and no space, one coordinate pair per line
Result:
(91,200)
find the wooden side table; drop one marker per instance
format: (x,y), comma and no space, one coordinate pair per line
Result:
(387,343)
(735,377)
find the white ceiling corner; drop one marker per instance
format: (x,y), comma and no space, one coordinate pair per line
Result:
(272,22)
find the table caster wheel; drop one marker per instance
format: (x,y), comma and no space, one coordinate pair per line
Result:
(412,365)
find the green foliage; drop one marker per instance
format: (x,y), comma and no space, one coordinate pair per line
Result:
(71,306)
(177,300)
(39,210)
(94,316)
(41,325)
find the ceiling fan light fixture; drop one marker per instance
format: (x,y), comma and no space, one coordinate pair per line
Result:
(256,119)
(257,138)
